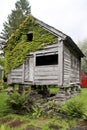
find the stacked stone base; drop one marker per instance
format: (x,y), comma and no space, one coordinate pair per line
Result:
(67,93)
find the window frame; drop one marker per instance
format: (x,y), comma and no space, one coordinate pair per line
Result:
(51,57)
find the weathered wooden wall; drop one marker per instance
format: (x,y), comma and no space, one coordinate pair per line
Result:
(29,69)
(16,75)
(71,67)
(67,66)
(65,72)
(47,74)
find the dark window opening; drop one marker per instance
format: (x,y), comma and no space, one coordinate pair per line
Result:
(29,36)
(47,60)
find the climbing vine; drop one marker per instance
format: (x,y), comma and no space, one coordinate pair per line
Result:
(18,47)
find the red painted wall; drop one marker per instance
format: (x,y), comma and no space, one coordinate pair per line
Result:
(83,80)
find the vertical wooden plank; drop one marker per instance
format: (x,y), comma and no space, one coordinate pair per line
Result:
(62,63)
(23,73)
(34,68)
(26,70)
(31,68)
(67,66)
(60,53)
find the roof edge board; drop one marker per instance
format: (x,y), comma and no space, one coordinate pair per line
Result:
(51,29)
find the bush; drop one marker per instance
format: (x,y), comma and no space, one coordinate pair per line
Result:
(37,112)
(74,108)
(5,85)
(19,103)
(5,127)
(1,87)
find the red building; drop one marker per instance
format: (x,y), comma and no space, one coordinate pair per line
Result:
(83,80)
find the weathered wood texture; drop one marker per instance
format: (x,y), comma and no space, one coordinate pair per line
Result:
(16,75)
(71,67)
(60,63)
(29,69)
(67,66)
(65,72)
(46,75)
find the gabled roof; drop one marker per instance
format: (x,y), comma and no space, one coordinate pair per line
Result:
(61,35)
(51,29)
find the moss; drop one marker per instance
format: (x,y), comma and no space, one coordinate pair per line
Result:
(17,48)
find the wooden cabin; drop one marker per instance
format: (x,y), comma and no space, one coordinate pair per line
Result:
(54,64)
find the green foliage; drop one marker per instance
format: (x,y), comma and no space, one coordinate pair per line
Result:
(37,112)
(3,105)
(5,85)
(1,61)
(18,102)
(54,89)
(83,47)
(5,127)
(1,87)
(17,47)
(17,16)
(74,108)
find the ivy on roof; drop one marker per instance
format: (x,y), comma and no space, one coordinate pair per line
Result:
(17,46)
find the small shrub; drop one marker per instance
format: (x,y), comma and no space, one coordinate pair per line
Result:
(1,87)
(5,85)
(37,112)
(19,102)
(74,108)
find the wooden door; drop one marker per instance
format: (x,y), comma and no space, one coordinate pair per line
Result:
(29,69)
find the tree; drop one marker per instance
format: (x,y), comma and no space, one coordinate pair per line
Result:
(83,47)
(18,15)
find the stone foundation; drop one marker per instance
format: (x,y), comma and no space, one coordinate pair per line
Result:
(43,96)
(66,93)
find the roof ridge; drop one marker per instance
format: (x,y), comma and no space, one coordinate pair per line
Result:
(52,29)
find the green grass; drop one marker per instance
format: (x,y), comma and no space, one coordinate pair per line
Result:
(43,123)
(3,105)
(54,90)
(83,97)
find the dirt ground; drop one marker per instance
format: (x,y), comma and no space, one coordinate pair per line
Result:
(81,125)
(16,123)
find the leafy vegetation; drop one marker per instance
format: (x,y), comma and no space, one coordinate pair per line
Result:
(18,47)
(31,121)
(3,105)
(19,103)
(1,61)
(83,47)
(5,127)
(37,112)
(17,16)
(75,108)
(54,89)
